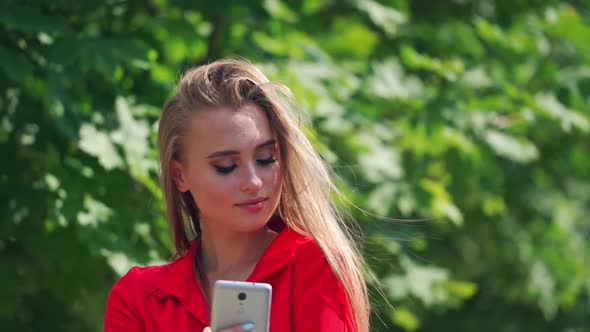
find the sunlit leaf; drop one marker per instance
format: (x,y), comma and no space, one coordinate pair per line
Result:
(98,144)
(406,319)
(518,150)
(558,111)
(95,213)
(280,10)
(132,136)
(387,18)
(390,81)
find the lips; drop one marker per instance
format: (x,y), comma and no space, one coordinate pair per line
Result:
(253,201)
(253,205)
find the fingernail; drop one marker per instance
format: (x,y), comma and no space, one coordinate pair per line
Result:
(248,326)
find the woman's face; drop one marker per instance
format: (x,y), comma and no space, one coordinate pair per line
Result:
(231,167)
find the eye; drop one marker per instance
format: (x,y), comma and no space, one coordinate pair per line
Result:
(225,170)
(266,161)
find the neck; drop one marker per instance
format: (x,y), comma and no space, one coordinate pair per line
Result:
(231,255)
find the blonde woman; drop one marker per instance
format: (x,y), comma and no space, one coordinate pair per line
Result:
(247,198)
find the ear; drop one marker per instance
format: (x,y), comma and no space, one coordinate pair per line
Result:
(177,176)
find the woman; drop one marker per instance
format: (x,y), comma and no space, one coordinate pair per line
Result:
(247,198)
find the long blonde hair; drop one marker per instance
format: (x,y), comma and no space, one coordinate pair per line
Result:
(306,203)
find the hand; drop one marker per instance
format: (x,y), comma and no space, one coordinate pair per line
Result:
(238,328)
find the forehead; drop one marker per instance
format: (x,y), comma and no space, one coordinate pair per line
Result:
(225,128)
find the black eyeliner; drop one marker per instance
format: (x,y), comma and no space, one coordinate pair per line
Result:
(225,170)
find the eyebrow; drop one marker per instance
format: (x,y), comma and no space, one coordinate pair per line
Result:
(233,152)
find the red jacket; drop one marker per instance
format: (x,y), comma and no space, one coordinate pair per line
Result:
(306,295)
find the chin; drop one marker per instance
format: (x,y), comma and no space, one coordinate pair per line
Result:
(249,225)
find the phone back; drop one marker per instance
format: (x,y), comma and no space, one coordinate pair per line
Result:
(239,302)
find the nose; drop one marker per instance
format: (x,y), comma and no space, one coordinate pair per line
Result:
(251,182)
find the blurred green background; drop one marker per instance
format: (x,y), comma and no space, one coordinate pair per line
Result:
(472,114)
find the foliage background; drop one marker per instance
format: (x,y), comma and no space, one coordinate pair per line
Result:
(471,113)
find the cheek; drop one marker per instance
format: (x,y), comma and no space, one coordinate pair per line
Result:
(212,189)
(275,177)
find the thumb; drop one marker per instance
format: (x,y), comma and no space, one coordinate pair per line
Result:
(240,328)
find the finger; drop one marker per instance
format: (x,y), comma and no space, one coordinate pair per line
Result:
(240,328)
(207,329)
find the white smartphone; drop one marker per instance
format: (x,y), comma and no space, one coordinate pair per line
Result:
(239,302)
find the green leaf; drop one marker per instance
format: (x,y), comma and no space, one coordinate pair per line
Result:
(448,69)
(28,19)
(406,319)
(387,18)
(461,289)
(280,10)
(557,110)
(379,162)
(16,66)
(96,212)
(518,150)
(380,200)
(351,38)
(100,145)
(132,136)
(421,281)
(390,81)
(442,205)
(101,54)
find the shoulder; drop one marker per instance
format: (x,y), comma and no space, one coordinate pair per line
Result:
(131,291)
(124,307)
(312,266)
(134,282)
(143,280)
(137,273)
(318,296)
(306,250)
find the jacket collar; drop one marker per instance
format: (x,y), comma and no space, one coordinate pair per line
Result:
(177,279)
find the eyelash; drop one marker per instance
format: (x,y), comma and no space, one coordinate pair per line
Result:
(227,170)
